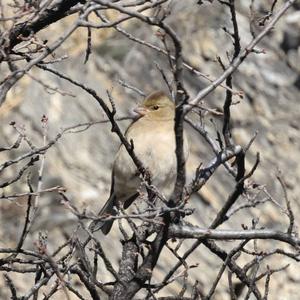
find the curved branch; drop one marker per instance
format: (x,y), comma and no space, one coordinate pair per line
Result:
(241,57)
(50,15)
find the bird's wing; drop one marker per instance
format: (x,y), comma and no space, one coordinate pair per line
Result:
(107,209)
(112,182)
(130,200)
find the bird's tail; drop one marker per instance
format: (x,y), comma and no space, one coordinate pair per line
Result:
(108,209)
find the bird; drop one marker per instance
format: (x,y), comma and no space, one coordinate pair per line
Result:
(154,144)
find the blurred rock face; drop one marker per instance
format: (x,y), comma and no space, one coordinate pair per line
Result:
(81,162)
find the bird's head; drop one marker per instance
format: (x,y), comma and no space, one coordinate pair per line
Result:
(157,106)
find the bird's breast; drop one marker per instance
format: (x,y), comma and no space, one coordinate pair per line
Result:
(156,150)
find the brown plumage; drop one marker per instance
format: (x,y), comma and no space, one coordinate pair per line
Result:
(154,144)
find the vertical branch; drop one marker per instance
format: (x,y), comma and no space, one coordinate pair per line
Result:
(44,121)
(88,50)
(180,100)
(131,278)
(11,286)
(27,220)
(228,100)
(288,205)
(127,271)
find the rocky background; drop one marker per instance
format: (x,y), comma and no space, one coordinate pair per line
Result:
(81,162)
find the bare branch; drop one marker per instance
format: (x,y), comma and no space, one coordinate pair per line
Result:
(241,57)
(184,231)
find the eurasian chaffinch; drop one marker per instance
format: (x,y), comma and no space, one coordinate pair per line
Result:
(154,144)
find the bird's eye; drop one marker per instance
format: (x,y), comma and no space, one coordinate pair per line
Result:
(155,107)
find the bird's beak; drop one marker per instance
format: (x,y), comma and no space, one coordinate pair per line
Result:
(140,111)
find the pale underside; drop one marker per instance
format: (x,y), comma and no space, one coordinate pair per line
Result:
(156,150)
